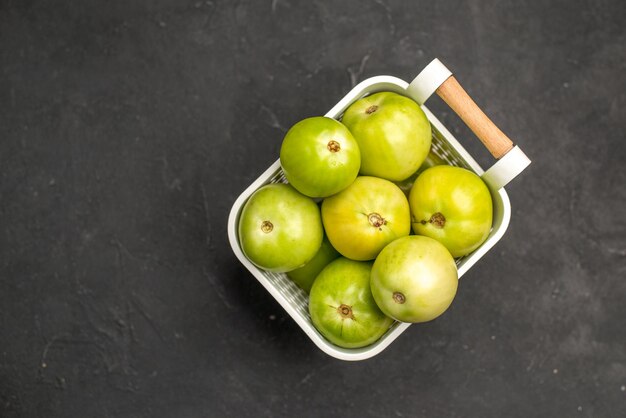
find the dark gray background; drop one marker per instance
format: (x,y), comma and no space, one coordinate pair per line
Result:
(128,128)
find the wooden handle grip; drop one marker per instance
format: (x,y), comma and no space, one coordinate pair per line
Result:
(489,134)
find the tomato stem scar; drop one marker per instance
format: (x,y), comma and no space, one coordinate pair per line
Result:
(333,146)
(376,220)
(371,109)
(437,220)
(399,298)
(267,227)
(345,311)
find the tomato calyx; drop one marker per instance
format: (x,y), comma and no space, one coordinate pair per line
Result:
(371,109)
(267,227)
(399,297)
(345,311)
(333,146)
(437,220)
(376,220)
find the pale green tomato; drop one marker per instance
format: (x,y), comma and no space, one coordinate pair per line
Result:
(393,133)
(452,205)
(305,275)
(367,215)
(342,307)
(279,228)
(414,279)
(319,156)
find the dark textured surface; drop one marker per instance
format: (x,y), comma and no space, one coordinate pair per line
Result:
(127,130)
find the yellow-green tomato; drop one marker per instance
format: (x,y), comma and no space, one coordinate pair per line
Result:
(305,275)
(342,307)
(452,205)
(367,215)
(393,134)
(414,279)
(319,156)
(280,229)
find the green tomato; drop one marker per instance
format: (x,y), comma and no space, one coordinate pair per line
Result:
(342,307)
(305,275)
(367,215)
(414,279)
(279,228)
(319,156)
(393,133)
(452,205)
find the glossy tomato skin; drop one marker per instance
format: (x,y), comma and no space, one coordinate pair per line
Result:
(279,228)
(319,156)
(305,275)
(452,205)
(393,133)
(342,307)
(367,215)
(414,279)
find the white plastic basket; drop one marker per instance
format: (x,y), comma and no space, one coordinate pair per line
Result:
(434,78)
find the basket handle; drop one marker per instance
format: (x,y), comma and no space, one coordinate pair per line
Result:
(437,78)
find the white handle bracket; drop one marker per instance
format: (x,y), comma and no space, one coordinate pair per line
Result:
(437,78)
